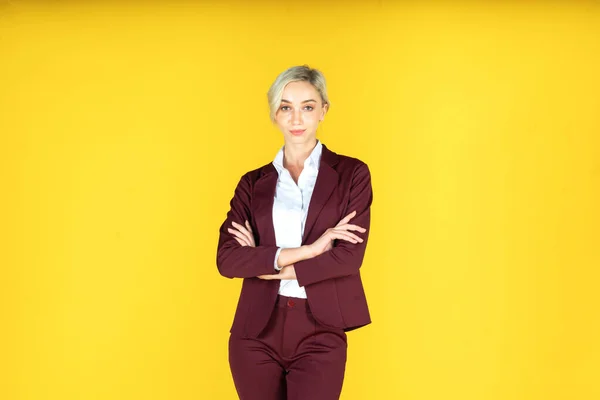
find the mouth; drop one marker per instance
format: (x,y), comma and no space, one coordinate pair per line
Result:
(297,132)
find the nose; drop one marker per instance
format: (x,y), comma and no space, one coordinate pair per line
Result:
(296,117)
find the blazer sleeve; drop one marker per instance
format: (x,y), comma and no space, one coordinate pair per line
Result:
(233,259)
(345,258)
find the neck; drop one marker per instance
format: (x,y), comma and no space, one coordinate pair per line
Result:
(294,155)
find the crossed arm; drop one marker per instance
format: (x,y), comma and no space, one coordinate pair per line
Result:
(338,252)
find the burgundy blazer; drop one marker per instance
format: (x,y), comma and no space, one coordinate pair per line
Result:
(332,280)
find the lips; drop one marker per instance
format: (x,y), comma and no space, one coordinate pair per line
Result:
(297,132)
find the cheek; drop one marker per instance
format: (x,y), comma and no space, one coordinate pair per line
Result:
(280,122)
(311,118)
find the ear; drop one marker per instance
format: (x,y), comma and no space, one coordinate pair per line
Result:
(325,108)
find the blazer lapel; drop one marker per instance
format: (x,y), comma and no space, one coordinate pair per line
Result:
(327,181)
(263,197)
(262,205)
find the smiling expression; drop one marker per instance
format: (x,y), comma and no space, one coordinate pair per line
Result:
(300,112)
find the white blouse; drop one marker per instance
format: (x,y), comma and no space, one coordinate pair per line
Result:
(290,209)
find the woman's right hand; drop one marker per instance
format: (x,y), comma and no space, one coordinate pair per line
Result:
(340,232)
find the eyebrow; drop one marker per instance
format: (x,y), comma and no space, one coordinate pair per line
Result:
(305,101)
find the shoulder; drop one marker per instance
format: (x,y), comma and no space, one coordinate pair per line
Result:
(351,162)
(354,176)
(250,177)
(347,165)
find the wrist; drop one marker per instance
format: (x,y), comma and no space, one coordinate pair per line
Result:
(309,251)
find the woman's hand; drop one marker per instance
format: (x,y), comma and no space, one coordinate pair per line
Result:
(286,273)
(340,232)
(243,235)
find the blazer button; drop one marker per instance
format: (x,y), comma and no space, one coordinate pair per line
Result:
(290,303)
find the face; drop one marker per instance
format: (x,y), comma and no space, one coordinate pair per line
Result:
(300,112)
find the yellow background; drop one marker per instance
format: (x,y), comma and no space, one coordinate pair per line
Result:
(126,125)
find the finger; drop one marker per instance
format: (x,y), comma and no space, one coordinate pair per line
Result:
(347,218)
(239,235)
(340,236)
(241,242)
(351,227)
(348,236)
(251,234)
(353,236)
(239,227)
(236,233)
(269,277)
(340,233)
(244,231)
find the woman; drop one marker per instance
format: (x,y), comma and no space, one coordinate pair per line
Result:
(296,232)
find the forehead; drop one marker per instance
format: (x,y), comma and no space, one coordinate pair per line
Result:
(299,91)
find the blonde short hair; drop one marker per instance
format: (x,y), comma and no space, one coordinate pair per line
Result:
(294,74)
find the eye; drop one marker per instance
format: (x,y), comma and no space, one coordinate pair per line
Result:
(284,108)
(309,108)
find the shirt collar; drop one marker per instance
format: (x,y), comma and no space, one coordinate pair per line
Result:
(313,159)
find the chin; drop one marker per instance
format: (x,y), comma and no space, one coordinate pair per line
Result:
(301,139)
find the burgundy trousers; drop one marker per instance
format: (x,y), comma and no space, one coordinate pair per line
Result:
(294,358)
